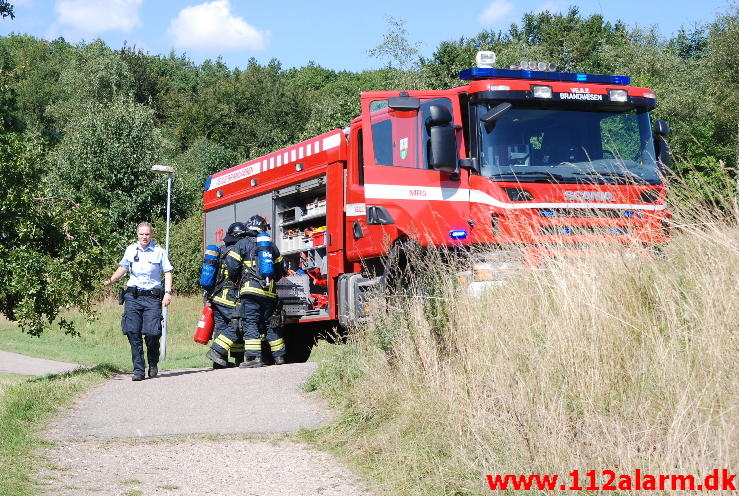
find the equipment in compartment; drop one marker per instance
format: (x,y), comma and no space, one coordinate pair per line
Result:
(316,207)
(302,239)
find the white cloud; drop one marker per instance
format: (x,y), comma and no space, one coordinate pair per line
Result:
(212,27)
(494,12)
(91,17)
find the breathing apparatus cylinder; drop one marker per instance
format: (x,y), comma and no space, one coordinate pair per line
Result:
(210,267)
(264,255)
(205,326)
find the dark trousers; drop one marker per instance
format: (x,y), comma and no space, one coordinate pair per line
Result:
(142,321)
(137,351)
(226,338)
(256,314)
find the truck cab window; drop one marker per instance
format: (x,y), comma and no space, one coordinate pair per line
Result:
(394,136)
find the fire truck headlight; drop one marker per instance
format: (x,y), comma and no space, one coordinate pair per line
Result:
(541,91)
(618,95)
(495,271)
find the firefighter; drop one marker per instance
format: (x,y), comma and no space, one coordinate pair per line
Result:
(257,296)
(143,298)
(224,299)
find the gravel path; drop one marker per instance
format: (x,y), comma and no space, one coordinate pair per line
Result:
(194,432)
(197,401)
(195,467)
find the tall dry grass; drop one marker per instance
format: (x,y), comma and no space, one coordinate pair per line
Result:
(605,362)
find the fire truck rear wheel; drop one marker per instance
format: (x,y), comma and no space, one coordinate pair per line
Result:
(299,342)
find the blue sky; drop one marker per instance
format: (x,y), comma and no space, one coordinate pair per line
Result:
(334,34)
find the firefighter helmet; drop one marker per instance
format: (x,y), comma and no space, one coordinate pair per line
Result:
(257,223)
(237,230)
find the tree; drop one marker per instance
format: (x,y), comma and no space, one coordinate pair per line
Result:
(402,56)
(251,112)
(6,9)
(53,247)
(35,67)
(105,159)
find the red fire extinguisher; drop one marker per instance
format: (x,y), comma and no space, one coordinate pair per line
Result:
(205,326)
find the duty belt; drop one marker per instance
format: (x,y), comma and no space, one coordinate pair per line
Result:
(136,292)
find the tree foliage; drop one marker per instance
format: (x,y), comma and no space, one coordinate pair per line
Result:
(106,156)
(6,9)
(53,246)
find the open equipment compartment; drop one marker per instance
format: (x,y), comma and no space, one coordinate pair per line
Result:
(300,234)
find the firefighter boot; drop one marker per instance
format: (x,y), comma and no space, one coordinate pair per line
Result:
(252,362)
(216,358)
(280,360)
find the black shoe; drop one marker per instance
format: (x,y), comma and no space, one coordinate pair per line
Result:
(252,363)
(153,371)
(280,360)
(229,365)
(137,377)
(216,358)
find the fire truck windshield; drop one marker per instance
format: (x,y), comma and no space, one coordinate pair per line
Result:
(567,144)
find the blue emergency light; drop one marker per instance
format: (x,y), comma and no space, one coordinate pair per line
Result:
(458,234)
(475,73)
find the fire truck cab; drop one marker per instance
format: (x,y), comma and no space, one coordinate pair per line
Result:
(518,157)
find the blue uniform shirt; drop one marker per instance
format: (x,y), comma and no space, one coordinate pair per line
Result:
(145,267)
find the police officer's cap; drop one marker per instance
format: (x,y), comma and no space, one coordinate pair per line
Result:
(237,230)
(257,223)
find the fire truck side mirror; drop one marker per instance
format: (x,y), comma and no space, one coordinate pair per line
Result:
(661,128)
(663,154)
(442,144)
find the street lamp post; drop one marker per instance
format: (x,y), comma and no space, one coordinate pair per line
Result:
(165,169)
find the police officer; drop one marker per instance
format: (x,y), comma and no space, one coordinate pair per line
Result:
(257,296)
(224,301)
(144,296)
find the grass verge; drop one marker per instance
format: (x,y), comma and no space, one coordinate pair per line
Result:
(101,340)
(602,363)
(25,408)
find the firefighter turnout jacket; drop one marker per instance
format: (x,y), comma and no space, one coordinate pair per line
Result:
(225,291)
(242,263)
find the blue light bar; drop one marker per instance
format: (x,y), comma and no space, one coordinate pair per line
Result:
(475,73)
(207,183)
(458,234)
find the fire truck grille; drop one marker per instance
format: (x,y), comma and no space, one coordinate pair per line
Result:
(610,213)
(584,230)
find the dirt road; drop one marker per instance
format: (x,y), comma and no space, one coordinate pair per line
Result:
(195,432)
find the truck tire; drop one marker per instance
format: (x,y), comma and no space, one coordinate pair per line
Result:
(397,275)
(299,342)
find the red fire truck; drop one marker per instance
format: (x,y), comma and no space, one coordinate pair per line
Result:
(512,159)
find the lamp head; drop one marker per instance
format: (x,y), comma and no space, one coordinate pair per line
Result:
(162,169)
